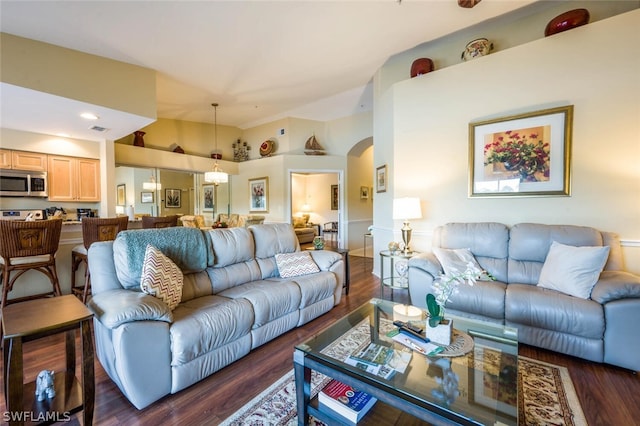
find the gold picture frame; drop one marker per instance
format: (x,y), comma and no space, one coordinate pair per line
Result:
(381,178)
(521,155)
(259,195)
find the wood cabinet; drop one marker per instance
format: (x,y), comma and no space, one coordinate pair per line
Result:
(23,160)
(74,179)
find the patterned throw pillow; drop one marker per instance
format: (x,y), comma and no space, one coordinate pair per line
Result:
(296,264)
(161,277)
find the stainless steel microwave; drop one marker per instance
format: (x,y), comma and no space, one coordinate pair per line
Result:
(21,183)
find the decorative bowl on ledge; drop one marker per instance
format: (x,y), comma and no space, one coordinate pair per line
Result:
(567,21)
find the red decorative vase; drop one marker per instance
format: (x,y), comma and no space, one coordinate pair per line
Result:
(138,138)
(421,66)
(566,21)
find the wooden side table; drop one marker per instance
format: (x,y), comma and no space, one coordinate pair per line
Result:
(26,321)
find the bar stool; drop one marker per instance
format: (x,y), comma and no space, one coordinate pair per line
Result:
(159,221)
(93,230)
(25,246)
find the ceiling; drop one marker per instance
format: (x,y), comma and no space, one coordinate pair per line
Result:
(260,60)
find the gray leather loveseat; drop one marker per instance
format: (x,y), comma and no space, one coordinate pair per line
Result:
(602,327)
(233,300)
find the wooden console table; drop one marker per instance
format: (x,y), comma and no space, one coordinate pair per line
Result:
(26,321)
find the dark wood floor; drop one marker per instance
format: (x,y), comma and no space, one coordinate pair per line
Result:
(609,395)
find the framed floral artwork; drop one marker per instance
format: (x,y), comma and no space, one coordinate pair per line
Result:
(208,198)
(259,194)
(172,199)
(521,155)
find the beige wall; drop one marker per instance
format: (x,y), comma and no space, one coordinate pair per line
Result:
(425,124)
(77,75)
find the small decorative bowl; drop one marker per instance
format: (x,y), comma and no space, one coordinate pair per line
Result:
(476,48)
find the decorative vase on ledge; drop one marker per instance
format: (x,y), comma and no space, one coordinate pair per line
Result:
(138,139)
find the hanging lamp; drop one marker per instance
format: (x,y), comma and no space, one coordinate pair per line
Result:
(152,185)
(216,176)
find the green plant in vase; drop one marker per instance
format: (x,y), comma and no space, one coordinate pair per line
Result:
(447,285)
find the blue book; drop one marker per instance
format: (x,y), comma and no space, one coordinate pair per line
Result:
(345,401)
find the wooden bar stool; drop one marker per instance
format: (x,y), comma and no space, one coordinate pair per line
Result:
(93,230)
(25,246)
(159,221)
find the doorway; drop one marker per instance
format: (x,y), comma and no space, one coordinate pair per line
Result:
(320,195)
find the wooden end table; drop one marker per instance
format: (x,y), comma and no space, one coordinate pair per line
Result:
(26,321)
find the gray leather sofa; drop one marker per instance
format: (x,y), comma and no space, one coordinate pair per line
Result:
(233,301)
(600,328)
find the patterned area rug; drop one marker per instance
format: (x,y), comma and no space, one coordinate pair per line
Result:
(546,393)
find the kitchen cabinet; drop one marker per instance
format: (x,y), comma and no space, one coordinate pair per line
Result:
(23,160)
(74,179)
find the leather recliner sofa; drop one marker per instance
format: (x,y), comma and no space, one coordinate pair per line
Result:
(602,327)
(233,300)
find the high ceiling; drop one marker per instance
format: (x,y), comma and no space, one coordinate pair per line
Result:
(260,60)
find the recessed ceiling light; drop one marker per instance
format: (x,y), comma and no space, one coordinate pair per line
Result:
(89,116)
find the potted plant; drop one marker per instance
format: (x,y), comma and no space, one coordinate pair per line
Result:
(439,328)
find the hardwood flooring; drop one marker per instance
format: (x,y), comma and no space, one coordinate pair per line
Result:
(608,395)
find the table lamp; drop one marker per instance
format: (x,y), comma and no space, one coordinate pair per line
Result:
(406,208)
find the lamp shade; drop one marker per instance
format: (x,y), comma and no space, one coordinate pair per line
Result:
(407,208)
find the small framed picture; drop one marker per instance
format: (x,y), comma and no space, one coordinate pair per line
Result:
(121,195)
(207,192)
(172,199)
(146,197)
(259,194)
(381,179)
(335,194)
(364,192)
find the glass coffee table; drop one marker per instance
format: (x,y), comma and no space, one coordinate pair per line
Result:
(477,387)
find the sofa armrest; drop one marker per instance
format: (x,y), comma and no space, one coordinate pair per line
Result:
(426,262)
(615,285)
(424,269)
(116,307)
(325,259)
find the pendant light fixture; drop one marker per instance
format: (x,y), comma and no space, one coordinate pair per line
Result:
(151,185)
(216,176)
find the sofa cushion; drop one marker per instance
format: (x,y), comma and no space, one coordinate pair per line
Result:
(295,264)
(484,298)
(204,324)
(551,310)
(573,270)
(270,300)
(488,241)
(230,246)
(529,244)
(299,222)
(161,277)
(185,246)
(455,261)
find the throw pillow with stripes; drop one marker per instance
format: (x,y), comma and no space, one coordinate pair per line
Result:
(161,277)
(295,264)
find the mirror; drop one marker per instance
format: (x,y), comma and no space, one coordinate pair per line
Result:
(175,192)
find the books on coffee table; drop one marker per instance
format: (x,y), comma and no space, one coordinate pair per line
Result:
(345,401)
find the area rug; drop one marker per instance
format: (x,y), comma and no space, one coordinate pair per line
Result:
(546,394)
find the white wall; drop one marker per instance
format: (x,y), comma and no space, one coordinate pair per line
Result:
(427,118)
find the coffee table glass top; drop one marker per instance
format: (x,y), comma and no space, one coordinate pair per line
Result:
(478,387)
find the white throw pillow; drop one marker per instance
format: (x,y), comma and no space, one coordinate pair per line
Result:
(161,277)
(573,270)
(296,264)
(455,260)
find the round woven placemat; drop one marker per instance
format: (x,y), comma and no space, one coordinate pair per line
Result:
(461,343)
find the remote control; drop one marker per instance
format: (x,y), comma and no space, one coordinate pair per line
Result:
(410,330)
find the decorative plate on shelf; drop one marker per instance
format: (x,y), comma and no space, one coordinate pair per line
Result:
(267,148)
